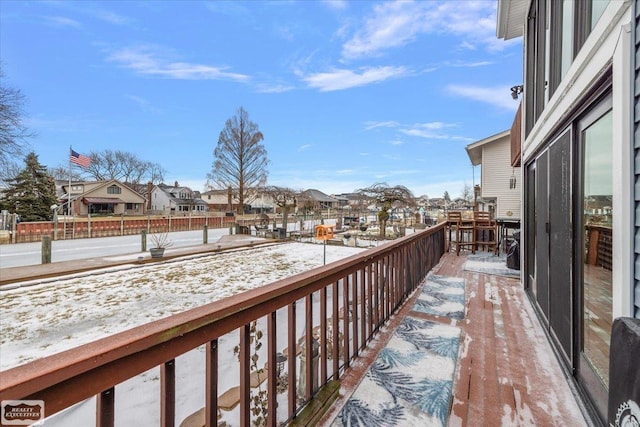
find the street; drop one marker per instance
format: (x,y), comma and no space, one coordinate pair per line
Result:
(25,254)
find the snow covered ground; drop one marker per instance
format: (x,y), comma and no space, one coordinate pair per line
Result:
(40,319)
(44,319)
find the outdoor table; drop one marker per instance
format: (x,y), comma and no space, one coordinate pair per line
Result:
(504,225)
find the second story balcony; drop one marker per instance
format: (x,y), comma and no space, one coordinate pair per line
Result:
(402,334)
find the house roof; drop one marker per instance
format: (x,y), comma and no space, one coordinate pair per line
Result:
(101,200)
(319,195)
(474,150)
(92,187)
(511,18)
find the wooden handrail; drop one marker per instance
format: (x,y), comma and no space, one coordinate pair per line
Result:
(393,269)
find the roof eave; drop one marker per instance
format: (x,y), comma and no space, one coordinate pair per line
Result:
(474,150)
(511,18)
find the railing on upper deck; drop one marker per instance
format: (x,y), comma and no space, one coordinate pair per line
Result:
(371,286)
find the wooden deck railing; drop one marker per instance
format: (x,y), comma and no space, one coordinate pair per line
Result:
(348,301)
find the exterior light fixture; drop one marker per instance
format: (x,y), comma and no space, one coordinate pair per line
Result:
(512,180)
(280,359)
(516,90)
(281,378)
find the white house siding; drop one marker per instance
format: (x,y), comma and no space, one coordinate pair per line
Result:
(160,201)
(496,173)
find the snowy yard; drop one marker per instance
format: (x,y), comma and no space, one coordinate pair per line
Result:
(47,318)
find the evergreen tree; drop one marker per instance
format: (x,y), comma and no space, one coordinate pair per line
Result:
(32,192)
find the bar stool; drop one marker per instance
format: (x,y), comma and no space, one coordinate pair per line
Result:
(464,232)
(486,231)
(453,223)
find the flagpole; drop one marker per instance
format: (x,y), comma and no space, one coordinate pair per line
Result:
(69,189)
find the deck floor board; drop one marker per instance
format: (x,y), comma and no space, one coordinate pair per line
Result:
(507,373)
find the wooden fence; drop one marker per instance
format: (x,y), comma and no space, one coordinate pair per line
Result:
(81,228)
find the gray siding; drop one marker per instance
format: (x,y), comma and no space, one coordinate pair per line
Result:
(636,136)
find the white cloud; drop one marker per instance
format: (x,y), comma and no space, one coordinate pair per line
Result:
(498,96)
(391,25)
(305,147)
(345,172)
(340,79)
(61,21)
(471,64)
(112,18)
(434,125)
(278,88)
(373,125)
(144,104)
(336,4)
(396,24)
(146,60)
(428,130)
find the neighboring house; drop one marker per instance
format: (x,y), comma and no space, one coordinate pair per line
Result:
(500,182)
(345,201)
(110,197)
(577,147)
(224,201)
(351,201)
(220,201)
(166,199)
(260,204)
(460,204)
(437,203)
(324,201)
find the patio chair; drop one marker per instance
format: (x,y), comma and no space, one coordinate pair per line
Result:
(486,231)
(463,230)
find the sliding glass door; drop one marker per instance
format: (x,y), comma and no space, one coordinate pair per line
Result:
(595,267)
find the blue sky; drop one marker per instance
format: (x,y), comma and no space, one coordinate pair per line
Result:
(347,94)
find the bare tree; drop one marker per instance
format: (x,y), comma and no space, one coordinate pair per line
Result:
(123,166)
(308,204)
(386,197)
(285,198)
(467,193)
(62,173)
(8,171)
(240,160)
(13,132)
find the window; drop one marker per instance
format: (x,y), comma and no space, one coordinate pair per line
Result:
(566,49)
(114,189)
(562,41)
(535,79)
(570,23)
(597,9)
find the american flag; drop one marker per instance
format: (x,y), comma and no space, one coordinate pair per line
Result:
(79,159)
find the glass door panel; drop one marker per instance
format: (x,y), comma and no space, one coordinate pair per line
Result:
(597,214)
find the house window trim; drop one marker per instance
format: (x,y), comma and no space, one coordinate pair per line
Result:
(114,189)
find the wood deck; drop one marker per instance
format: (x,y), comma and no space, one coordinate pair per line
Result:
(507,373)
